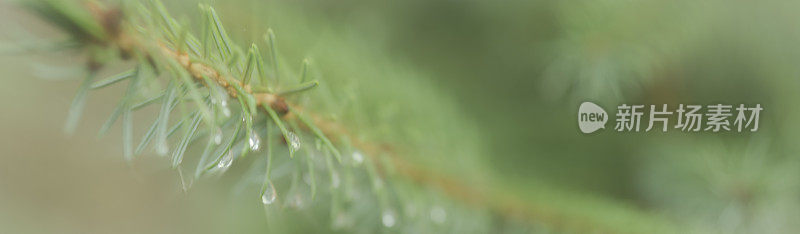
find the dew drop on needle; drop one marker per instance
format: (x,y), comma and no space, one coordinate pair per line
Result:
(217,136)
(225,161)
(255,142)
(269,195)
(388,218)
(358,158)
(335,181)
(225,110)
(294,142)
(438,215)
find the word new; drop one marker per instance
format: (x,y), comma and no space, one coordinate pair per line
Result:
(691,118)
(591,117)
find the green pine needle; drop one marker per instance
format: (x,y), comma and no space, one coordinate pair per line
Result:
(273,51)
(286,134)
(187,138)
(163,119)
(127,133)
(299,88)
(78,103)
(113,79)
(319,134)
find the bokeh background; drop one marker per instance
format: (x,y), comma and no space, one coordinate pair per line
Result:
(517,69)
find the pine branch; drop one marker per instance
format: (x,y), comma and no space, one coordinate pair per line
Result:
(204,72)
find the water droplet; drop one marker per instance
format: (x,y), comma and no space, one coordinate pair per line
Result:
(388,218)
(296,201)
(294,142)
(377,184)
(223,105)
(438,215)
(335,181)
(342,220)
(269,195)
(358,157)
(255,142)
(162,149)
(217,136)
(318,144)
(353,194)
(411,210)
(225,161)
(307,178)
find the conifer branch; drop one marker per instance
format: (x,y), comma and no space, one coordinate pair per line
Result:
(109,28)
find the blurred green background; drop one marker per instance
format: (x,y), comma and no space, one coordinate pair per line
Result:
(517,69)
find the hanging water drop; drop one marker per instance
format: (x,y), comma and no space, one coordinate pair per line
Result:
(411,210)
(307,178)
(335,181)
(217,137)
(296,202)
(318,144)
(255,142)
(342,220)
(269,195)
(225,161)
(388,218)
(223,105)
(352,194)
(294,142)
(377,184)
(438,215)
(162,149)
(358,157)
